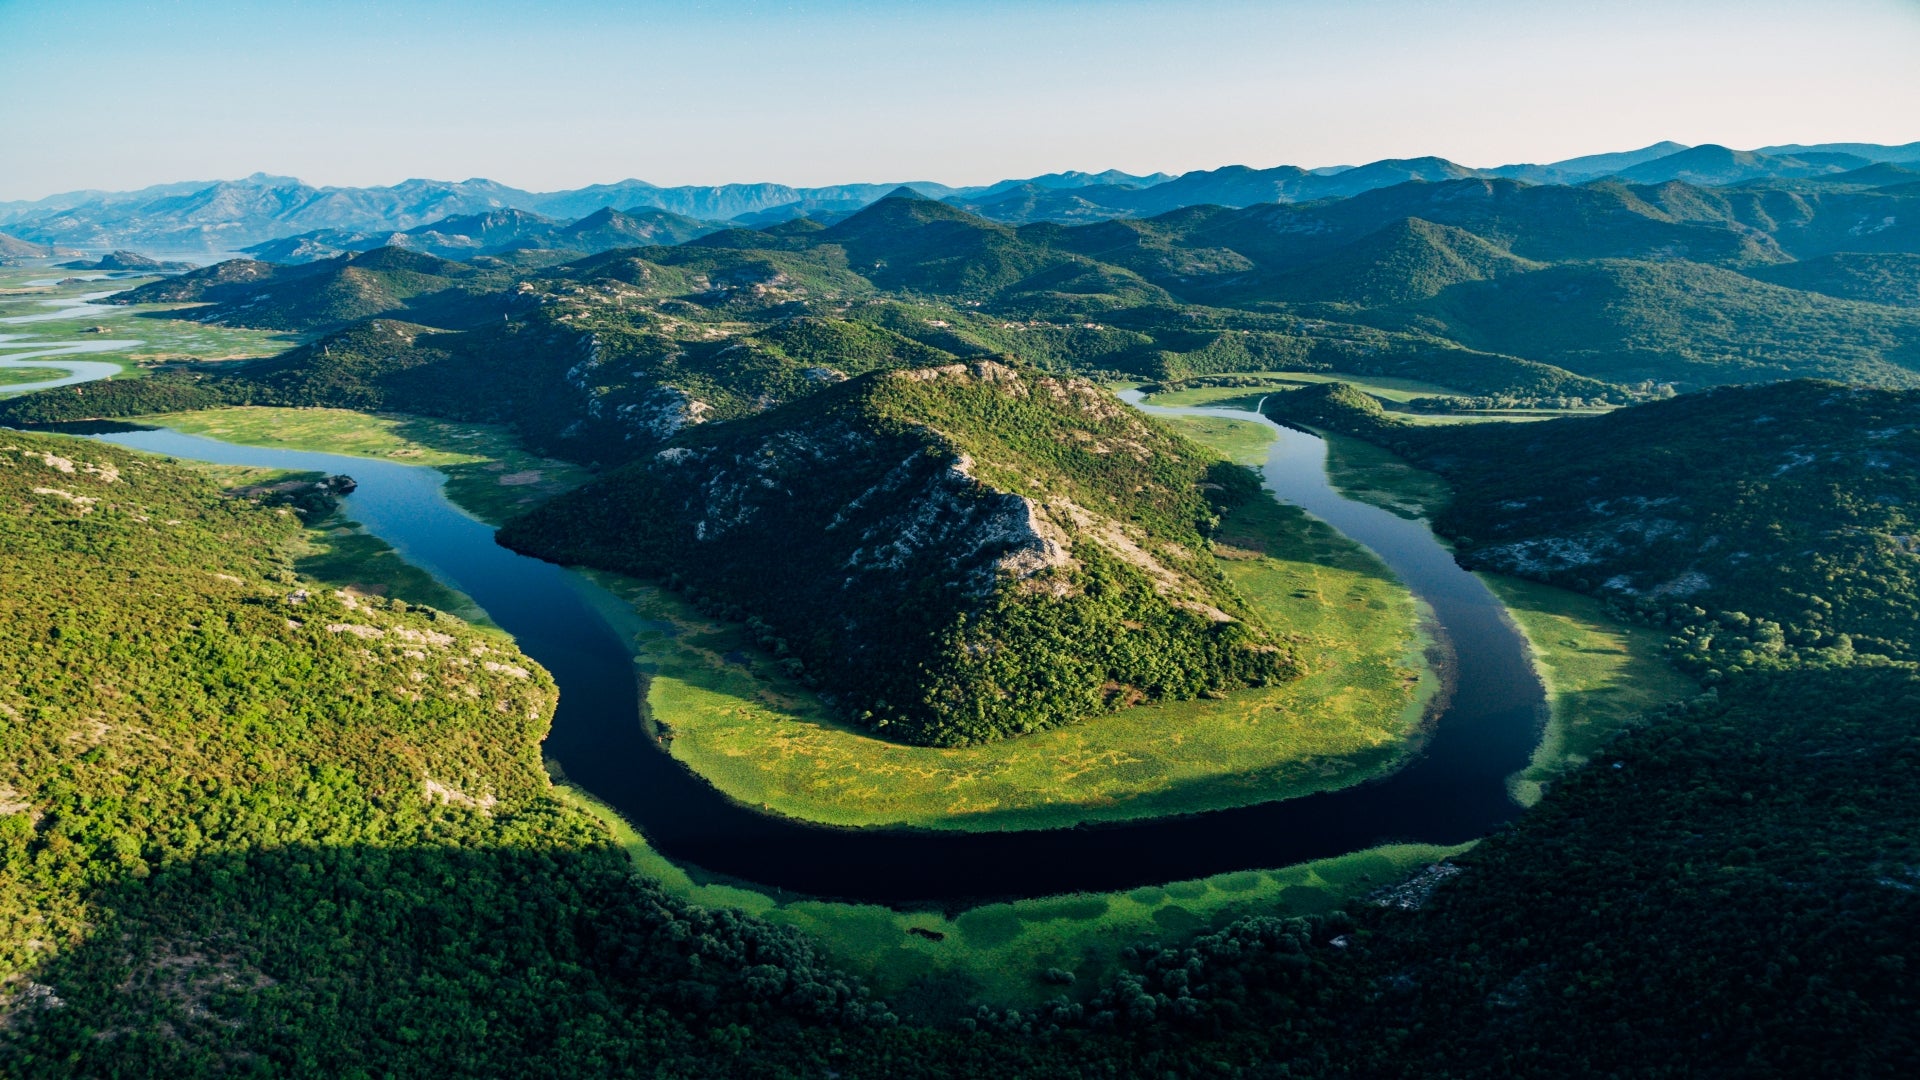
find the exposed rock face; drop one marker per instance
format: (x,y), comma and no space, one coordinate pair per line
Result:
(982,533)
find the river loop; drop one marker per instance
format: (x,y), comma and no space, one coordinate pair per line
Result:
(1454,790)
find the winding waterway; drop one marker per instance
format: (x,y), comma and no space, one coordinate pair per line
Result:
(27,351)
(1453,791)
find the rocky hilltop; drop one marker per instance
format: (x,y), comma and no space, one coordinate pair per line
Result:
(953,554)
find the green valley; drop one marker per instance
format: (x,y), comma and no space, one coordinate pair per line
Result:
(749,630)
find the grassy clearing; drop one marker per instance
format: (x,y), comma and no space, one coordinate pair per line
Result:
(1242,441)
(1600,675)
(488,474)
(14,376)
(999,953)
(768,742)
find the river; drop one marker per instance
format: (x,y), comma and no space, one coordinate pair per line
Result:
(1453,791)
(26,351)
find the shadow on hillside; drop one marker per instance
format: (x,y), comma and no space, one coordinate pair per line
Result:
(359,960)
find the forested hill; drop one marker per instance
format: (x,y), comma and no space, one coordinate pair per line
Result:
(1766,526)
(245,819)
(964,552)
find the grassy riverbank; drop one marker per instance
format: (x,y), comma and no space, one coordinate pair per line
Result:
(932,964)
(15,376)
(488,474)
(1601,674)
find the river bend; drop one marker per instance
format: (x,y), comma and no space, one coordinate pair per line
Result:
(1453,791)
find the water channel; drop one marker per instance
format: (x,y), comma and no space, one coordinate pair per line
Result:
(1453,791)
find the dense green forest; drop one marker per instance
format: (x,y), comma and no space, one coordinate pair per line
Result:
(249,824)
(1765,526)
(964,552)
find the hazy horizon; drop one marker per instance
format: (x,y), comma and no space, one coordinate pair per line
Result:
(356,94)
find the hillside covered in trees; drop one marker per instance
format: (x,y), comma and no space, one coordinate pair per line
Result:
(962,552)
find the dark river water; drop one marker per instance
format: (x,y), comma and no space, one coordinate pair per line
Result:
(1453,791)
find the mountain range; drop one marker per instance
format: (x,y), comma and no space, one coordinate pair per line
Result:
(230,215)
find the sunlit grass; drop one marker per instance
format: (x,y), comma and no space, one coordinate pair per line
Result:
(12,376)
(1000,953)
(488,473)
(1601,675)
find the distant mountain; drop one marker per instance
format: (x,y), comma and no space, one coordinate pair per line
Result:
(1909,152)
(232,214)
(1231,186)
(1575,170)
(495,232)
(330,294)
(1717,165)
(608,228)
(721,202)
(243,214)
(912,243)
(12,247)
(1062,181)
(126,260)
(1410,259)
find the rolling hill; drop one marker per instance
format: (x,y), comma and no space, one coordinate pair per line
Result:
(967,552)
(330,294)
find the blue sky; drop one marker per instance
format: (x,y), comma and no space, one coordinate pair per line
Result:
(550,95)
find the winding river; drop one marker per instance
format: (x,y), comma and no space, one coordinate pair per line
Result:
(28,351)
(1453,791)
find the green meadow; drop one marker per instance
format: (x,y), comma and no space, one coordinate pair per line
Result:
(488,473)
(17,376)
